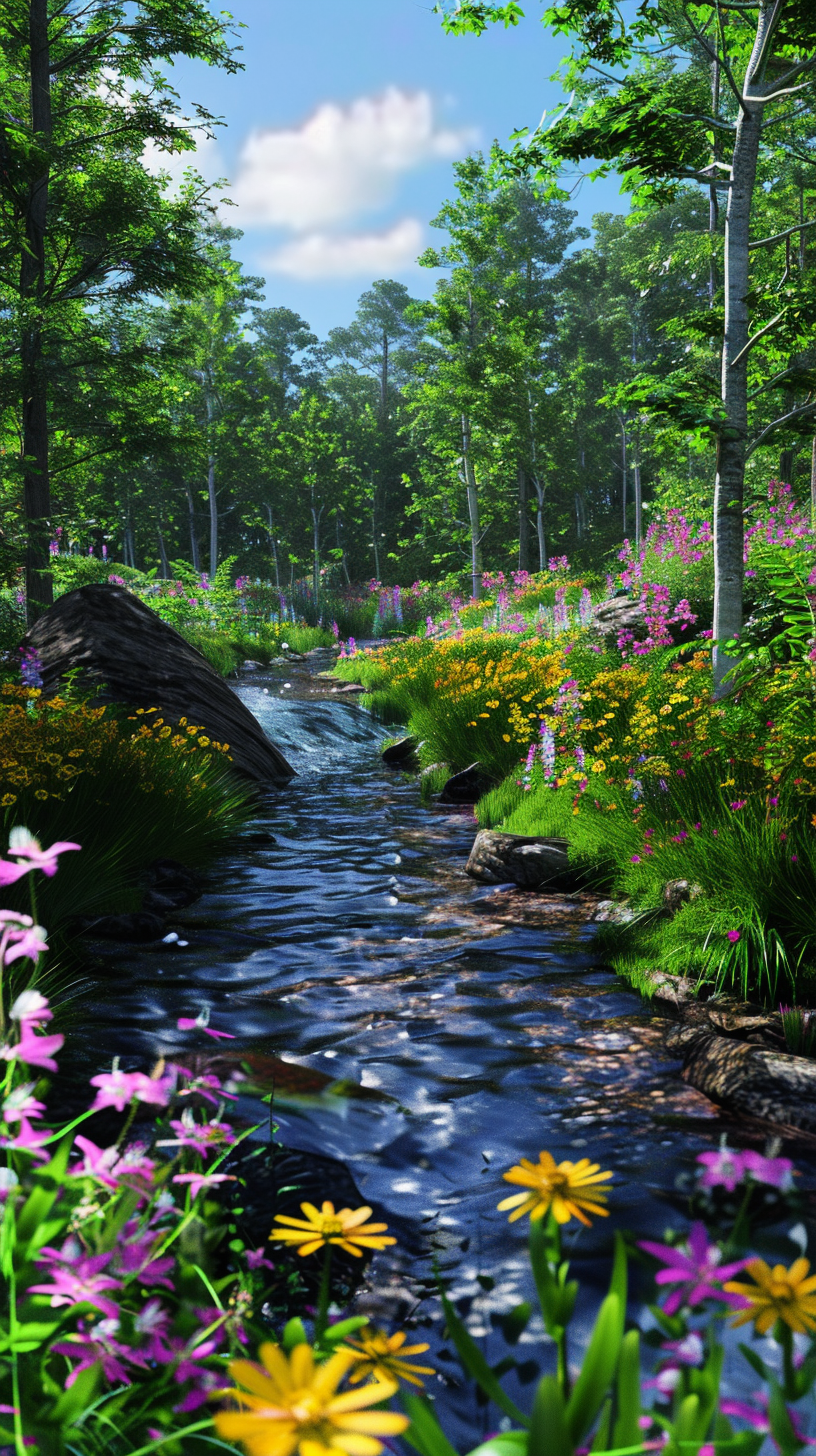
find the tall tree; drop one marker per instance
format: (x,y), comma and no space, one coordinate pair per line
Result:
(82,219)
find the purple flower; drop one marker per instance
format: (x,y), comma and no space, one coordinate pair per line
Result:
(117,1089)
(98,1346)
(35,1051)
(110,1166)
(695,1268)
(775,1172)
(24,847)
(734,936)
(256,1259)
(738,804)
(197,1181)
(724,1169)
(202,1023)
(202,1137)
(77,1278)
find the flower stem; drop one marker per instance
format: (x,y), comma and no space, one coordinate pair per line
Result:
(120,1141)
(321,1318)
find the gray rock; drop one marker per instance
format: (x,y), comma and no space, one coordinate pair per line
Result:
(249,665)
(679,892)
(620,614)
(401,754)
(466,787)
(530,861)
(129,655)
(610,912)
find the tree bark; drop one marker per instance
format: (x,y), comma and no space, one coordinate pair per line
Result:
(472,487)
(523,522)
(194,558)
(731,445)
(165,566)
(540,534)
(274,545)
(36,484)
(624,469)
(211,496)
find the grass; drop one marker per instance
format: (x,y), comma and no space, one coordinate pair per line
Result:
(227,649)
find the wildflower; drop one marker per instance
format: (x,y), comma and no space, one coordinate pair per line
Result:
(738,804)
(566,1188)
(197,1181)
(695,1267)
(206,1084)
(31,1007)
(724,1169)
(20,1103)
(382,1357)
(35,1051)
(256,1259)
(202,1023)
(347,1229)
(734,936)
(110,1166)
(292,1405)
(636,859)
(98,1345)
(202,1137)
(31,856)
(77,1278)
(118,1089)
(776,1172)
(778,1293)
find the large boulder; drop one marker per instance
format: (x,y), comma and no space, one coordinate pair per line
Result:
(530,861)
(132,656)
(750,1080)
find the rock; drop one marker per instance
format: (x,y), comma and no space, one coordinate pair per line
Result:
(465,787)
(679,892)
(433,768)
(249,665)
(350,688)
(610,912)
(134,657)
(751,1080)
(530,861)
(401,754)
(621,614)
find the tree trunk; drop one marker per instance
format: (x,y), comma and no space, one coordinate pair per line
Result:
(731,445)
(523,522)
(194,558)
(274,545)
(624,469)
(472,488)
(638,503)
(316,514)
(36,485)
(813,485)
(165,567)
(211,496)
(542,544)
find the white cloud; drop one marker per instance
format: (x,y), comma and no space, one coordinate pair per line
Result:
(337,255)
(341,161)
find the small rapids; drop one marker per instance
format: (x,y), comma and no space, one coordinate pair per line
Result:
(470,1026)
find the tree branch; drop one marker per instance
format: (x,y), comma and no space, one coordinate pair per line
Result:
(755,340)
(778,237)
(794,414)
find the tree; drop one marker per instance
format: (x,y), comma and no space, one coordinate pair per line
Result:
(82,219)
(714,93)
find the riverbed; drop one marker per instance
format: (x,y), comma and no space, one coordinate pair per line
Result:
(477,1022)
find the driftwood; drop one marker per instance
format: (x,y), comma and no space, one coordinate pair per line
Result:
(529,861)
(127,652)
(771,1085)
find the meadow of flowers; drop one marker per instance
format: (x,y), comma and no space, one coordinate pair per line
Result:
(615,743)
(128,1318)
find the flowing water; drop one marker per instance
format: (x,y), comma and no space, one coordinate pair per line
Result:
(476,1022)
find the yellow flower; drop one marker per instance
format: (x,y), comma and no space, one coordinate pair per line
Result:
(599,766)
(8,799)
(382,1357)
(810,761)
(566,1188)
(292,1405)
(204,741)
(778,1293)
(346,1228)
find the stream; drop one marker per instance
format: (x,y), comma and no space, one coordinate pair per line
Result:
(474,1023)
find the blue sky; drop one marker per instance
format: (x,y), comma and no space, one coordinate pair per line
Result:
(341,132)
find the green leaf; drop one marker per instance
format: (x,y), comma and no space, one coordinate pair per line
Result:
(626,1431)
(515,1322)
(47,1185)
(600,1363)
(476,1365)
(343,1328)
(549,1433)
(509,1443)
(425,1433)
(28,1336)
(780,1422)
(71,1404)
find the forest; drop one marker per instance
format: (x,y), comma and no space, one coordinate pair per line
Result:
(408,764)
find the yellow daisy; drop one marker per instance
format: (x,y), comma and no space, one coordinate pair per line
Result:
(293,1405)
(778,1293)
(566,1188)
(382,1357)
(346,1229)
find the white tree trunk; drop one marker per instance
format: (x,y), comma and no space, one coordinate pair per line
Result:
(472,487)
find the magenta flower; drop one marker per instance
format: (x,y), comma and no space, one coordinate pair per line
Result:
(110,1166)
(35,1051)
(154,1321)
(202,1023)
(197,1181)
(98,1346)
(696,1269)
(724,1169)
(23,940)
(775,1172)
(20,1103)
(734,936)
(202,1137)
(25,1140)
(738,804)
(134,1259)
(118,1089)
(30,855)
(78,1278)
(256,1259)
(206,1084)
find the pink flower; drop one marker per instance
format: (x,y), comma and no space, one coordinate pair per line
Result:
(738,804)
(734,936)
(118,1089)
(202,1137)
(197,1181)
(695,1268)
(31,856)
(77,1278)
(25,1140)
(35,1051)
(775,1172)
(202,1023)
(724,1169)
(206,1084)
(31,1007)
(23,941)
(256,1259)
(20,1103)
(110,1166)
(153,1320)
(98,1346)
